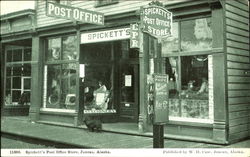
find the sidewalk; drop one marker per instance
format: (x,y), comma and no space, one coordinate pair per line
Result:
(82,138)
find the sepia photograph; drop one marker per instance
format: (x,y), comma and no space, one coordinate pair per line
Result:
(125,78)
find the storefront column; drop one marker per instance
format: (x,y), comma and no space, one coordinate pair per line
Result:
(2,76)
(220,126)
(36,78)
(143,61)
(79,83)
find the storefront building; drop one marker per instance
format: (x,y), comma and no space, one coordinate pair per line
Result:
(16,42)
(81,69)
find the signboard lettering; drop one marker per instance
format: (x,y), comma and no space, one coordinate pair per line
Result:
(157,21)
(109,35)
(134,36)
(161,98)
(75,14)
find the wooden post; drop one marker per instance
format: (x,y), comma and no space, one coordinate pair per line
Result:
(158,136)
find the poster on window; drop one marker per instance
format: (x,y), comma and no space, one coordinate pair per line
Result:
(82,70)
(161,113)
(128,80)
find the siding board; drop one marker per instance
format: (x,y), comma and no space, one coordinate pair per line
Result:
(239,79)
(236,65)
(237,4)
(236,51)
(239,121)
(236,29)
(240,135)
(238,86)
(236,58)
(237,45)
(239,107)
(240,114)
(239,38)
(237,11)
(238,93)
(237,72)
(238,128)
(238,100)
(237,24)
(236,17)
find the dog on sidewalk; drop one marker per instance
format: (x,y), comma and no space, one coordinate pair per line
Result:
(93,123)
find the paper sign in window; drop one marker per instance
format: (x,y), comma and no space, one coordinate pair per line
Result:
(100,98)
(128,80)
(82,70)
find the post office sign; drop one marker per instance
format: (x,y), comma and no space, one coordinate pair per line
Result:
(74,14)
(156,21)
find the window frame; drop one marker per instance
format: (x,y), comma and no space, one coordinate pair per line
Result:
(11,64)
(58,62)
(180,54)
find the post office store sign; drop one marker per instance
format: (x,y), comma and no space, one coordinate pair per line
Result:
(156,21)
(107,35)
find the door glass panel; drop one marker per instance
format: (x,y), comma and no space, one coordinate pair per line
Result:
(26,84)
(17,55)
(127,87)
(16,83)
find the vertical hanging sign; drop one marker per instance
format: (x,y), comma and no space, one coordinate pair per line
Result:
(161,98)
(134,36)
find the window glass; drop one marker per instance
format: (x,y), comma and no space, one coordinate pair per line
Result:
(26,70)
(188,95)
(60,85)
(27,54)
(27,83)
(69,48)
(8,83)
(8,97)
(97,87)
(17,55)
(18,76)
(17,71)
(8,71)
(60,79)
(92,52)
(9,55)
(16,82)
(16,94)
(171,44)
(196,35)
(54,49)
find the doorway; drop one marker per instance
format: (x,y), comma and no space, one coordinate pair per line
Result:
(129,90)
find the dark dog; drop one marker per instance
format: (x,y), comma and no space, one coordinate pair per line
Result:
(93,123)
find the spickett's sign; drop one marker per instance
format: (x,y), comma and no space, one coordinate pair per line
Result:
(156,21)
(74,14)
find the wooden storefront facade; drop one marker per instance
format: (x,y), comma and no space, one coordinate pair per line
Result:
(60,55)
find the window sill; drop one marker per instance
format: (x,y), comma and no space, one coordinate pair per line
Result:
(190,122)
(58,111)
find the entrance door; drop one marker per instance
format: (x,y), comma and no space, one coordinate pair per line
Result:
(129,91)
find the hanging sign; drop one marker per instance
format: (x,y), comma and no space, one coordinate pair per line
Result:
(108,35)
(134,36)
(156,21)
(75,14)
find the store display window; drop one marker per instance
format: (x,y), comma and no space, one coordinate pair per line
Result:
(18,76)
(190,75)
(60,73)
